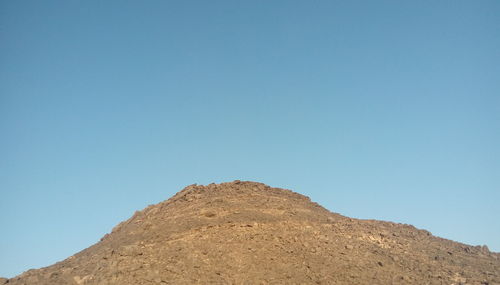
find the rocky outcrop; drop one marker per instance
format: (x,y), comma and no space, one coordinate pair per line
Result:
(238,232)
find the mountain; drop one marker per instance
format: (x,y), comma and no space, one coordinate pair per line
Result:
(250,233)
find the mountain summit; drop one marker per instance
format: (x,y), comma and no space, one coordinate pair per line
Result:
(250,233)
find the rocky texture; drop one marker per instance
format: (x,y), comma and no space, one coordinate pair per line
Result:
(249,233)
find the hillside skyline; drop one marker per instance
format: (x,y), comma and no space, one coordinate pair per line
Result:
(248,232)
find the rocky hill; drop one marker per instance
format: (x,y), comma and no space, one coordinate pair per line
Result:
(250,233)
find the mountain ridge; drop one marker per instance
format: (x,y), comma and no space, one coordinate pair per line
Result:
(242,231)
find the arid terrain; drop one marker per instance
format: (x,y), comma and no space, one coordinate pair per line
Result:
(250,233)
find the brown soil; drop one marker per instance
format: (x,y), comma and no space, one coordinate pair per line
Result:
(250,233)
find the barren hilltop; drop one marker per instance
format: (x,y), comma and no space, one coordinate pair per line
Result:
(250,233)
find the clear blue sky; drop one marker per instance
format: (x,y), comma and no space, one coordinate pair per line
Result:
(375,109)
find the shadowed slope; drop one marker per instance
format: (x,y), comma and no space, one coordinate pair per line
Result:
(250,233)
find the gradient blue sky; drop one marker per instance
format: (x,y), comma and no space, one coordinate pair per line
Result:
(375,109)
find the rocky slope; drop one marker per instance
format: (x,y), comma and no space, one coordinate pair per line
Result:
(250,233)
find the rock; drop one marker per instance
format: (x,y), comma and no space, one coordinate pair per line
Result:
(240,231)
(485,249)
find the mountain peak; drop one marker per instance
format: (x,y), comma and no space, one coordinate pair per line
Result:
(234,232)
